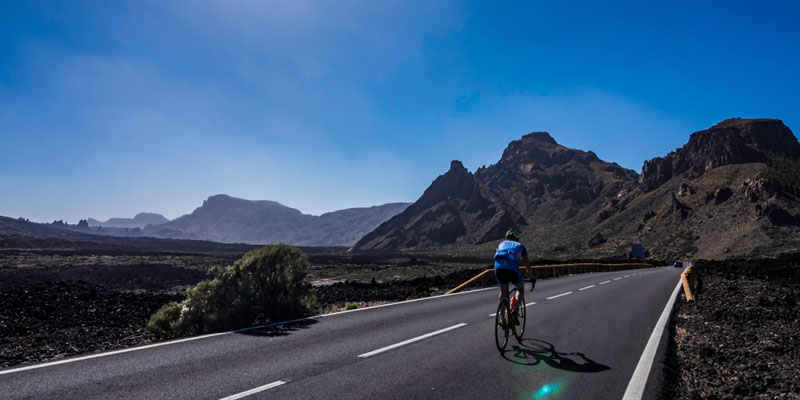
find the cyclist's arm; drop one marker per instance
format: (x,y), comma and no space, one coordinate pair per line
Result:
(532,274)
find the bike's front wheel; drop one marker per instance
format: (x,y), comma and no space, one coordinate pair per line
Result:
(521,312)
(501,325)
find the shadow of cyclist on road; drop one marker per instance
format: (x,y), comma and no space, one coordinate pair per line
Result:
(534,352)
(279,330)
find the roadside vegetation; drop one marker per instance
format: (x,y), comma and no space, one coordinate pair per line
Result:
(265,285)
(783,172)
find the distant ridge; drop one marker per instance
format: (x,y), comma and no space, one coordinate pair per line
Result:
(19,234)
(227,219)
(141,220)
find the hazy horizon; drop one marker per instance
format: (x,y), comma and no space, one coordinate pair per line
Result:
(111,109)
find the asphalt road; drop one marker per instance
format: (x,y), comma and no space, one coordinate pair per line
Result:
(583,344)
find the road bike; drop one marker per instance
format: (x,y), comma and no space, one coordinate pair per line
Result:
(505,320)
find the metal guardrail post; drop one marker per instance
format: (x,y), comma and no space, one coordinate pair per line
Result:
(688,277)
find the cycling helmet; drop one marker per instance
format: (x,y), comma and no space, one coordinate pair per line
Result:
(512,234)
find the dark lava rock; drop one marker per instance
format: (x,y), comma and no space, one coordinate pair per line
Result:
(678,209)
(59,319)
(722,194)
(597,240)
(780,217)
(740,339)
(342,293)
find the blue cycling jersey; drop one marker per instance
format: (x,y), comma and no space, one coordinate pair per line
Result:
(507,253)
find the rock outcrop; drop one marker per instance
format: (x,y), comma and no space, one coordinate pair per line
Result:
(733,141)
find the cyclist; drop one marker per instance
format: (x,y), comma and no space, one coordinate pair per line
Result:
(506,266)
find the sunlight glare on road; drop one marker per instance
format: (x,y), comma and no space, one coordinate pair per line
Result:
(547,390)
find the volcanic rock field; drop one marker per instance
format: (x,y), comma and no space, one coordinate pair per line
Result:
(739,339)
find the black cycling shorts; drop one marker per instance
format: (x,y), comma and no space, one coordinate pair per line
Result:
(504,276)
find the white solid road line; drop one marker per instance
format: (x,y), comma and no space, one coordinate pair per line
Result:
(558,295)
(604,282)
(110,353)
(636,386)
(405,342)
(254,390)
(587,287)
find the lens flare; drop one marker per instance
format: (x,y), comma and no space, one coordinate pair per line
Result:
(548,390)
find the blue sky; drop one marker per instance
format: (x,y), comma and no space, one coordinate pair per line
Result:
(113,108)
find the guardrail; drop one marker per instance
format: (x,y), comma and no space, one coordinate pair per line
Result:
(549,271)
(688,277)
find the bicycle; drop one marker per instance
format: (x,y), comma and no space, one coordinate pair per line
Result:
(504,321)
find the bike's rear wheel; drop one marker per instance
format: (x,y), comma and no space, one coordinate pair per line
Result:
(519,330)
(501,325)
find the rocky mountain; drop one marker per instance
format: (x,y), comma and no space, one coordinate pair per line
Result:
(141,220)
(536,183)
(227,219)
(710,198)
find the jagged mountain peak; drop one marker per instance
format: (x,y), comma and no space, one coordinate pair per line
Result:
(539,148)
(456,165)
(457,182)
(540,136)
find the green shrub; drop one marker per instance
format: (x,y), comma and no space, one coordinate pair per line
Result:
(265,285)
(352,306)
(164,322)
(784,172)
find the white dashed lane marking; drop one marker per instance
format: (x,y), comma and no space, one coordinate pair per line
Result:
(581,289)
(558,295)
(254,390)
(412,340)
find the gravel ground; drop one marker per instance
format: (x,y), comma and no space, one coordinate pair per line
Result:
(741,339)
(52,320)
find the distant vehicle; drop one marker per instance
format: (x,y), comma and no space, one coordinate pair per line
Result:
(678,264)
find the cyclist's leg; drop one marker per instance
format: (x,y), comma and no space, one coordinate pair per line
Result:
(502,283)
(519,283)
